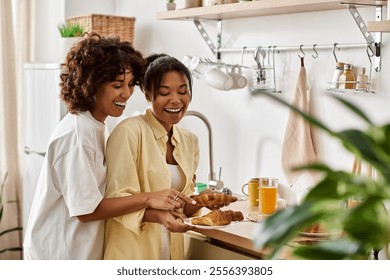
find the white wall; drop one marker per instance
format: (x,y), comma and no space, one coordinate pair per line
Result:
(46,17)
(248,130)
(86,7)
(49,14)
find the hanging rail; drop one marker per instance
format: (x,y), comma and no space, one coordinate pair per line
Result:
(371,43)
(295,48)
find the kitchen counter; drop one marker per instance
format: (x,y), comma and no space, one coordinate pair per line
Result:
(238,237)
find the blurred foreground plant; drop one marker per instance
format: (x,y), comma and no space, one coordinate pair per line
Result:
(361,229)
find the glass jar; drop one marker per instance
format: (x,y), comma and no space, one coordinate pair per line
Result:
(347,79)
(362,80)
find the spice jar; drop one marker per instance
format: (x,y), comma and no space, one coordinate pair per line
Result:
(347,79)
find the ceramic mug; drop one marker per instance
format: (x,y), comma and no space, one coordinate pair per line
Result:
(253,191)
(198,66)
(239,80)
(187,60)
(217,78)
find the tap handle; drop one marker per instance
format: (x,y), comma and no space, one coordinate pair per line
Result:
(216,185)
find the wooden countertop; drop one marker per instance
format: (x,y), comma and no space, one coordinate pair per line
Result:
(239,236)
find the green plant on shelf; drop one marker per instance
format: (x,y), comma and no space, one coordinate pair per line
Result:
(70,30)
(362,230)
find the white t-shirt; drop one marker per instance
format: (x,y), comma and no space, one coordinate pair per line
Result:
(72,183)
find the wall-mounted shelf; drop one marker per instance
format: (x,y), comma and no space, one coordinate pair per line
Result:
(378,26)
(261,8)
(272,7)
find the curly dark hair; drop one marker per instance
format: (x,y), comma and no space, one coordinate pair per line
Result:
(157,66)
(95,60)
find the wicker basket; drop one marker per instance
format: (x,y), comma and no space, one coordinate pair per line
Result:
(106,25)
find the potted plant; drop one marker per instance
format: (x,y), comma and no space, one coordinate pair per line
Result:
(70,30)
(364,229)
(171,5)
(70,33)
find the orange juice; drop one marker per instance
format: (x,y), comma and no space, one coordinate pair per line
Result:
(268,200)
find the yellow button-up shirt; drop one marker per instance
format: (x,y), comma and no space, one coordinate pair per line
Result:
(136,163)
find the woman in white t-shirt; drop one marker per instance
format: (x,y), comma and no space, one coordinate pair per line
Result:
(69,208)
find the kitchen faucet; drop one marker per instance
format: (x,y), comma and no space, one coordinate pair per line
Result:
(213,182)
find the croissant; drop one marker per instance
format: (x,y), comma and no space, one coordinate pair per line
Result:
(218,218)
(213,198)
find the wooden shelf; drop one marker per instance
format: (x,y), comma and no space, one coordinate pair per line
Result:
(261,8)
(378,26)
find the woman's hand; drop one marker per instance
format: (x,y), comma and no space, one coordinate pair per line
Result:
(167,199)
(172,220)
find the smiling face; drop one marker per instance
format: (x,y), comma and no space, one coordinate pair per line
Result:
(111,97)
(171,103)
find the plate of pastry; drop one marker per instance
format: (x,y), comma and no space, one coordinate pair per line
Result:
(215,219)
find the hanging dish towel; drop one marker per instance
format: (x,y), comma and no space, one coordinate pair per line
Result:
(300,143)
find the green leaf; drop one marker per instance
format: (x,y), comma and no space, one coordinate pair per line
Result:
(373,223)
(332,250)
(281,227)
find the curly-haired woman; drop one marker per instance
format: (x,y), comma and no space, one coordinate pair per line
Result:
(69,208)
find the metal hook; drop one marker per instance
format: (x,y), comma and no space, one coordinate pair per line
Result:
(269,54)
(369,50)
(300,48)
(334,51)
(314,49)
(242,55)
(273,67)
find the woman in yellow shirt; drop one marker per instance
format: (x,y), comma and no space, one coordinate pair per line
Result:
(149,153)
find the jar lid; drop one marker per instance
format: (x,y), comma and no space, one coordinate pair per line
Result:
(347,66)
(340,64)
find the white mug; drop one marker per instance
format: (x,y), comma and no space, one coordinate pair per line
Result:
(198,66)
(187,60)
(217,78)
(239,80)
